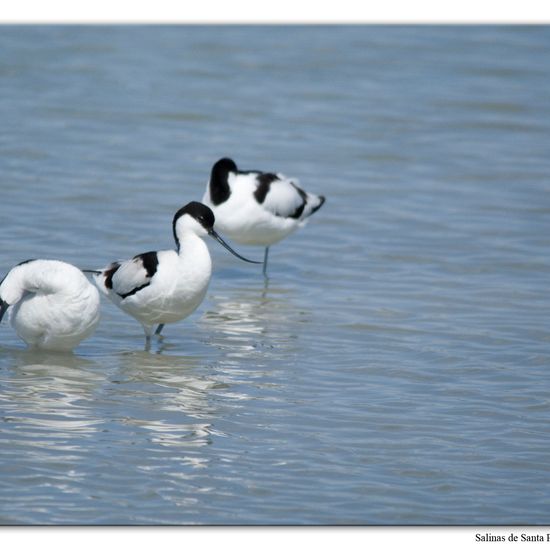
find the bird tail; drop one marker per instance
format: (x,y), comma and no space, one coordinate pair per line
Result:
(317,204)
(313,203)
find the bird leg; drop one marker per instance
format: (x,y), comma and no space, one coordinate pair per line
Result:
(158,331)
(147,330)
(265,261)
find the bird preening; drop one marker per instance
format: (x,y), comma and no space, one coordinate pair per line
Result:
(53,306)
(257,208)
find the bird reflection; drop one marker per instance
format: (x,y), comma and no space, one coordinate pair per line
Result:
(154,411)
(24,357)
(48,396)
(252,322)
(181,409)
(55,402)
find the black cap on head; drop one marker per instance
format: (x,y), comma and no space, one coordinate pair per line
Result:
(199,211)
(224,165)
(205,217)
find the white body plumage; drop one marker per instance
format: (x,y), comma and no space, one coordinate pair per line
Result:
(165,286)
(51,304)
(175,289)
(257,208)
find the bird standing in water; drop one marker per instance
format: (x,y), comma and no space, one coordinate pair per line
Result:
(166,286)
(54,306)
(257,208)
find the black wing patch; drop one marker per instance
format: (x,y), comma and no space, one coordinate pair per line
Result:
(265,180)
(149,261)
(298,212)
(134,290)
(122,276)
(109,274)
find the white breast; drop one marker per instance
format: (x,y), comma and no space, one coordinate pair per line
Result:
(177,288)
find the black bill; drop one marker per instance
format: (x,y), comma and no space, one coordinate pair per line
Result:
(214,235)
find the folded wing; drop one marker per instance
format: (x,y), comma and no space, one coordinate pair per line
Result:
(281,196)
(127,278)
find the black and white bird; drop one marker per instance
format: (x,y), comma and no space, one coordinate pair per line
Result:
(52,305)
(257,208)
(168,285)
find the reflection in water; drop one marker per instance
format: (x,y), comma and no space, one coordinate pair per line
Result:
(49,420)
(158,406)
(251,323)
(415,303)
(49,394)
(169,411)
(178,397)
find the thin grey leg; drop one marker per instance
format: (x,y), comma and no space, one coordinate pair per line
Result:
(147,330)
(159,329)
(265,260)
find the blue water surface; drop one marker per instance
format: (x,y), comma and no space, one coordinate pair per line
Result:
(394,369)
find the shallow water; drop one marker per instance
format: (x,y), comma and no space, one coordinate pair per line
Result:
(394,369)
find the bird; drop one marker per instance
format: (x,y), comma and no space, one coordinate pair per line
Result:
(165,286)
(255,207)
(54,306)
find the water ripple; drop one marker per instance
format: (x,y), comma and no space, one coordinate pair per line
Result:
(391,371)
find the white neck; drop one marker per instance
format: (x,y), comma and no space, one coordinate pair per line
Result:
(192,248)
